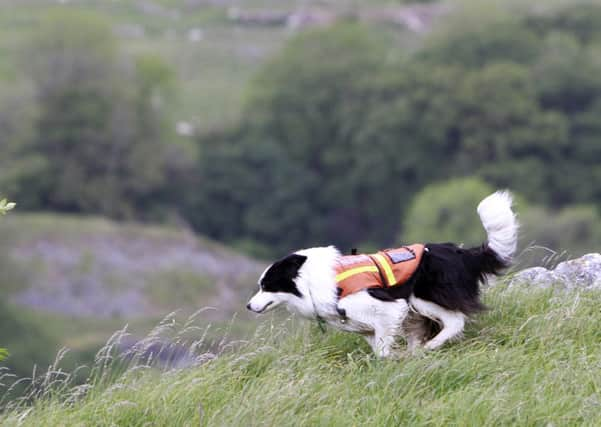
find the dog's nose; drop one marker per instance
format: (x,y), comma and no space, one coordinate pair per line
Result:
(248,306)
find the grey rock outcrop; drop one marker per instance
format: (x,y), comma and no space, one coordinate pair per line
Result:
(579,273)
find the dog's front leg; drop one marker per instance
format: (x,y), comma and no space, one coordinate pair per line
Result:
(380,344)
(383,318)
(383,342)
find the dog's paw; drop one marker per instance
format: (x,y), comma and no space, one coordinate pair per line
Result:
(390,354)
(415,351)
(433,345)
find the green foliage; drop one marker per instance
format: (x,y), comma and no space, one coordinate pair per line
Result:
(341,135)
(301,150)
(475,46)
(3,354)
(575,230)
(338,131)
(29,344)
(446,212)
(17,113)
(513,367)
(6,206)
(580,20)
(98,132)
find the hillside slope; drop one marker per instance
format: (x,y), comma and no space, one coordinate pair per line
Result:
(92,267)
(72,281)
(533,359)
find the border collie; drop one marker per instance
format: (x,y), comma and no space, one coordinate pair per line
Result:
(428,310)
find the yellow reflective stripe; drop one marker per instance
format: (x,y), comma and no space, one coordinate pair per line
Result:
(357,270)
(383,263)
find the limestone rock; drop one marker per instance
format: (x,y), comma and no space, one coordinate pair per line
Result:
(579,273)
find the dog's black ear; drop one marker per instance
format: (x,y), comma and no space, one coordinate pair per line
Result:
(280,276)
(292,263)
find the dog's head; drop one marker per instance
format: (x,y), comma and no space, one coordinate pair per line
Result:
(278,284)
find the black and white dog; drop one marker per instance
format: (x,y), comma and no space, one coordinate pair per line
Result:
(443,291)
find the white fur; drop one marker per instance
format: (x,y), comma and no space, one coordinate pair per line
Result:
(500,223)
(452,321)
(382,318)
(316,282)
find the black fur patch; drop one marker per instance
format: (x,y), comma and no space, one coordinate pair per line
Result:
(448,276)
(280,276)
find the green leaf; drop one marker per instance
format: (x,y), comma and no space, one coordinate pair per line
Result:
(6,206)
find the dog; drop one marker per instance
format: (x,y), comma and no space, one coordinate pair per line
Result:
(428,309)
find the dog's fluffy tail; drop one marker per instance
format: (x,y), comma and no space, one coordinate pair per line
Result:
(501,226)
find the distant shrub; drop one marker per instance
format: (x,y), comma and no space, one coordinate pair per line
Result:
(446,212)
(576,229)
(475,46)
(92,101)
(581,20)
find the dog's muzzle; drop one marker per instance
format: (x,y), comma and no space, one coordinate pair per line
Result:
(260,303)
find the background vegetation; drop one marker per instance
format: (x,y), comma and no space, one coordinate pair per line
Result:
(269,125)
(336,133)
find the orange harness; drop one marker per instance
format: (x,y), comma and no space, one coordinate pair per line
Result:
(389,267)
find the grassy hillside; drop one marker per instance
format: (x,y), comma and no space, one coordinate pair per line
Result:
(93,267)
(72,281)
(533,359)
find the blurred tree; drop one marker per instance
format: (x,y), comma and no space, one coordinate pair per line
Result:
(99,128)
(575,229)
(505,136)
(582,21)
(447,121)
(298,172)
(568,82)
(18,161)
(566,75)
(337,133)
(446,212)
(489,40)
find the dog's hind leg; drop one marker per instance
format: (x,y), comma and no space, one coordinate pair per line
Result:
(418,329)
(452,321)
(383,317)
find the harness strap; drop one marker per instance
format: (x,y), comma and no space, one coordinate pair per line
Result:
(384,269)
(357,270)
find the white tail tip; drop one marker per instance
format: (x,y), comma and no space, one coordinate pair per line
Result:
(500,223)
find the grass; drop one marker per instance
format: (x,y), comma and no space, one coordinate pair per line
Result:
(170,288)
(533,359)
